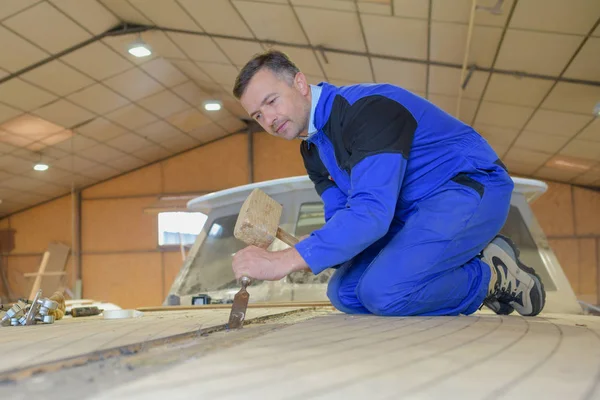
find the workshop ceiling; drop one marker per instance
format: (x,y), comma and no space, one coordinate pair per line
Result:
(82,104)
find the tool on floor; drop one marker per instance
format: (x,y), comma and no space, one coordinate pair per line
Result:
(39,310)
(14,312)
(258,225)
(47,305)
(77,312)
(122,314)
(34,309)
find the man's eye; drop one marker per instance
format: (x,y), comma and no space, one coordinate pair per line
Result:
(258,116)
(273,101)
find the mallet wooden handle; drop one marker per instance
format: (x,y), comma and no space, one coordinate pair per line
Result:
(286,238)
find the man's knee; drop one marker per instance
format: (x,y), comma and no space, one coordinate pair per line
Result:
(333,293)
(381,298)
(340,295)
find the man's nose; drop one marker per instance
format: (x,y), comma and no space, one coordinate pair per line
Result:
(270,118)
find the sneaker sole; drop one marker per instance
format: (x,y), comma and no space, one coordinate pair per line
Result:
(539,286)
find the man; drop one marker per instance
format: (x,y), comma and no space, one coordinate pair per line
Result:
(414,199)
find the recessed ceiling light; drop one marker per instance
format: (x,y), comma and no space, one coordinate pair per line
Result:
(567,164)
(40,167)
(570,163)
(597,110)
(212,105)
(139,49)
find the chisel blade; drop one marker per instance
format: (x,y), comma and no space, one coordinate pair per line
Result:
(239,306)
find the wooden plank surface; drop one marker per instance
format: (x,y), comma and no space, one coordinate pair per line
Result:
(25,346)
(342,356)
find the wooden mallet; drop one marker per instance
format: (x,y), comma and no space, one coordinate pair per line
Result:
(258,221)
(258,225)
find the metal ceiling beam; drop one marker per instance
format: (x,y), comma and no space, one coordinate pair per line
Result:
(123,29)
(321,48)
(127,29)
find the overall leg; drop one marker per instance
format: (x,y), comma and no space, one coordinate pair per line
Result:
(341,289)
(430,267)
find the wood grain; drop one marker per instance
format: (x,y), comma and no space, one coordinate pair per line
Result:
(73,341)
(258,219)
(286,238)
(367,357)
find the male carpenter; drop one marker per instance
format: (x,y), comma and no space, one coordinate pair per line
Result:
(414,199)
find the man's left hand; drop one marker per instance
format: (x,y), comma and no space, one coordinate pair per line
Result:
(260,264)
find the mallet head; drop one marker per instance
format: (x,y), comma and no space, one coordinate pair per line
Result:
(258,220)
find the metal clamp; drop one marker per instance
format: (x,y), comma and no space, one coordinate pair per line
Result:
(46,305)
(26,312)
(33,310)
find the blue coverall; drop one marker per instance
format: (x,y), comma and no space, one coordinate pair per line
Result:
(412,195)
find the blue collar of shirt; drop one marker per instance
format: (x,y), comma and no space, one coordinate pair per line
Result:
(315,95)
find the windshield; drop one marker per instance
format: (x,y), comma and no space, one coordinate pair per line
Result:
(211,269)
(210,272)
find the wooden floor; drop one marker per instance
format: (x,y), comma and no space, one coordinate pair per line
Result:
(22,347)
(339,356)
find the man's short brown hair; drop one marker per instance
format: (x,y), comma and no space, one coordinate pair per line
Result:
(277,61)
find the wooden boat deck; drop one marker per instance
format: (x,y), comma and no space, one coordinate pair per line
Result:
(482,356)
(27,347)
(329,355)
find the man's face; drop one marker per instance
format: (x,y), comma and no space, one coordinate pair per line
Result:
(281,108)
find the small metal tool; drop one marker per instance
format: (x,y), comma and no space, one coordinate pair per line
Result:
(239,306)
(46,305)
(84,311)
(45,319)
(33,310)
(13,312)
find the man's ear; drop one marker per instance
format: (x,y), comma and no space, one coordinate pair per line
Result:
(301,83)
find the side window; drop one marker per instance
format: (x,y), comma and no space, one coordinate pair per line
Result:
(175,228)
(310,218)
(219,247)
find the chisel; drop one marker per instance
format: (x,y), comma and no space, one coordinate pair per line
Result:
(239,306)
(258,225)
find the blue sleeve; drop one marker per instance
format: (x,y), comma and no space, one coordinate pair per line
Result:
(333,201)
(376,181)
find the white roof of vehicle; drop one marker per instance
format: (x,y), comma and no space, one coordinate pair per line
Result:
(530,188)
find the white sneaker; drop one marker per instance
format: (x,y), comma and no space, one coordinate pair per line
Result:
(513,285)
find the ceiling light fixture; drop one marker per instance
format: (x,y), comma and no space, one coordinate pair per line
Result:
(139,49)
(570,163)
(567,164)
(597,110)
(40,167)
(212,105)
